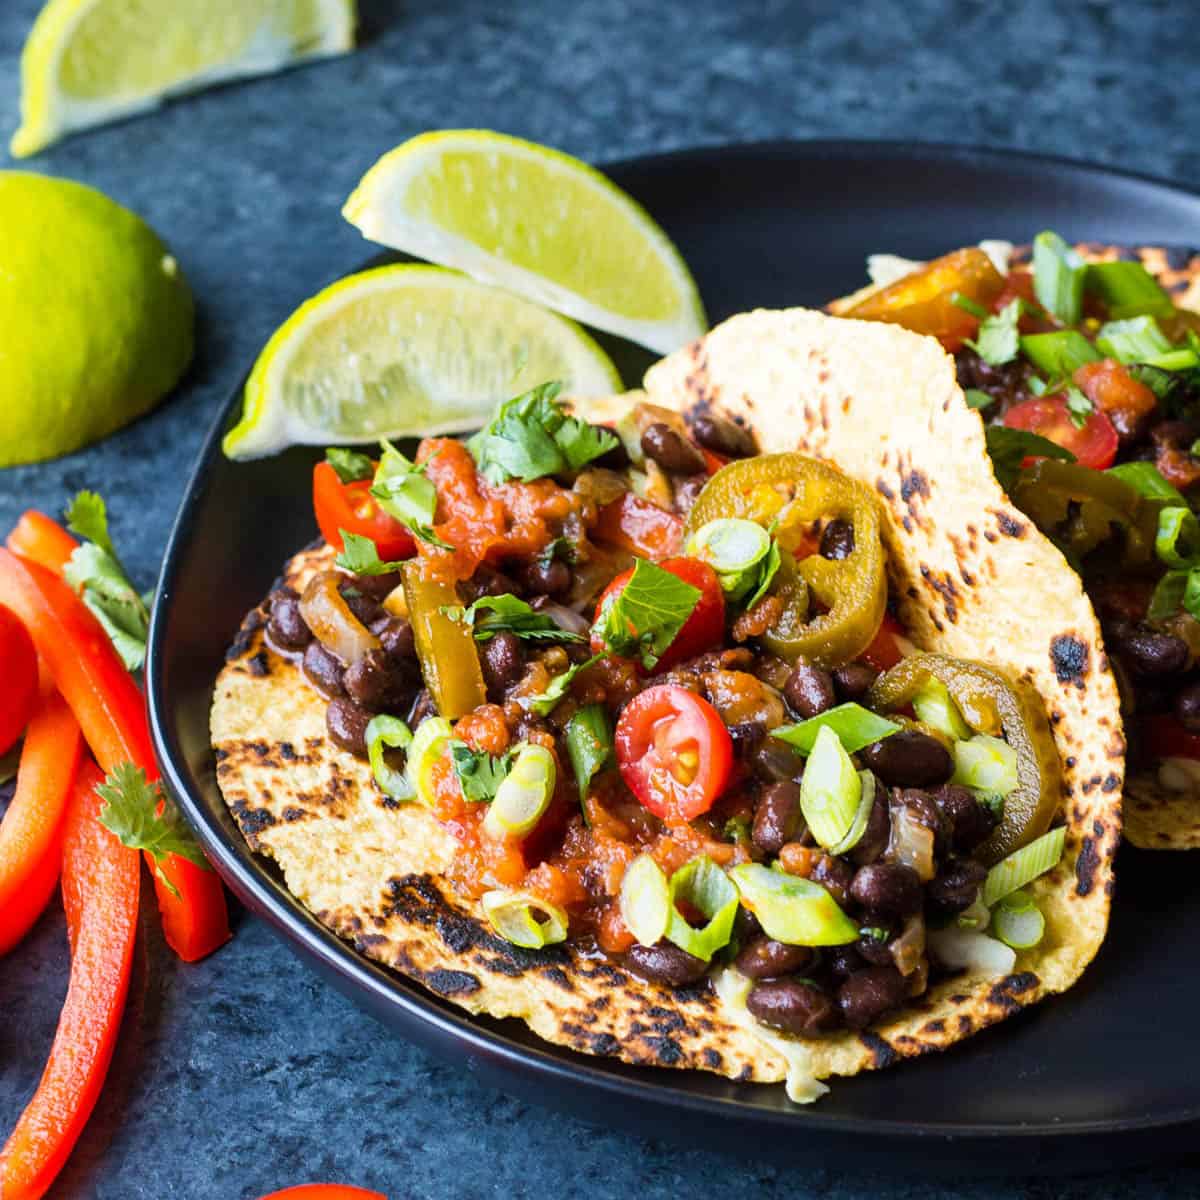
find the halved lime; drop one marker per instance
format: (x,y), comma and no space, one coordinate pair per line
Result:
(91,61)
(536,221)
(407,351)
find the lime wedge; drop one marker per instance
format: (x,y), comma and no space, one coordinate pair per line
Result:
(536,221)
(91,61)
(407,351)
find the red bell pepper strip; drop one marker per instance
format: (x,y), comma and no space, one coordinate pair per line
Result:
(19,676)
(110,711)
(35,536)
(100,892)
(325,1191)
(31,832)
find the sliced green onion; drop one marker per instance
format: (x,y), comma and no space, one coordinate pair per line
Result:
(792,909)
(998,339)
(1146,479)
(1058,274)
(428,745)
(1058,355)
(1167,597)
(525,919)
(1175,360)
(1177,542)
(830,790)
(389,733)
(1128,289)
(977,398)
(1138,339)
(968,950)
(1018,922)
(523,796)
(730,544)
(976,915)
(1024,865)
(861,816)
(934,705)
(646,900)
(968,305)
(854,725)
(986,762)
(706,887)
(589,742)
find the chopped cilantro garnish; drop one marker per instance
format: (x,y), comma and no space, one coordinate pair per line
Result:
(643,619)
(490,615)
(348,465)
(545,703)
(405,492)
(1008,449)
(479,774)
(999,338)
(1079,407)
(360,556)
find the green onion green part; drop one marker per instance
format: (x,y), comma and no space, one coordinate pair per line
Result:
(986,762)
(830,790)
(523,796)
(389,733)
(702,884)
(1146,479)
(743,554)
(1177,542)
(1128,289)
(1058,275)
(589,742)
(791,909)
(1024,865)
(1058,355)
(646,900)
(854,725)
(977,398)
(1135,340)
(525,919)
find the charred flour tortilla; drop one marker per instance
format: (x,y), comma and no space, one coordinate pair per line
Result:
(883,404)
(1162,801)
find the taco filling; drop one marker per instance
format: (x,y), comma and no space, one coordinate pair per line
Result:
(648,682)
(1089,377)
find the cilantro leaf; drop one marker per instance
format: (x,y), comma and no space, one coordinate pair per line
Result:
(479,774)
(490,615)
(645,617)
(1008,449)
(348,465)
(999,339)
(545,702)
(360,556)
(96,573)
(1079,407)
(141,816)
(532,436)
(767,569)
(405,492)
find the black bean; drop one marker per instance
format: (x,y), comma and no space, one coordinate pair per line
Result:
(793,1005)
(377,586)
(844,961)
(889,889)
(877,834)
(967,823)
(1149,654)
(364,607)
(379,683)
(746,926)
(868,994)
(551,578)
(503,662)
(808,690)
(324,670)
(924,811)
(835,876)
(909,758)
(396,639)
(763,958)
(876,950)
(488,582)
(854,680)
(285,625)
(722,436)
(777,816)
(671,451)
(1187,707)
(775,759)
(423,706)
(955,886)
(664,962)
(347,724)
(837,539)
(747,737)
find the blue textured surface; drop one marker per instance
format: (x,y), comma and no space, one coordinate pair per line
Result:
(244,1074)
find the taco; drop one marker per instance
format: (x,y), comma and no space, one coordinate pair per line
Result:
(1096,350)
(733,737)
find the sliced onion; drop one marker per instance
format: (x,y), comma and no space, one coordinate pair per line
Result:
(964,948)
(911,842)
(328,615)
(565,618)
(908,950)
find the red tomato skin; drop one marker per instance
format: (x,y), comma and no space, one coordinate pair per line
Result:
(653,725)
(1165,737)
(351,506)
(19,670)
(884,653)
(1094,445)
(639,526)
(704,629)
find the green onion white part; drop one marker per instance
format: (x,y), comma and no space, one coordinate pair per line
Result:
(1018,922)
(427,747)
(525,919)
(987,763)
(1024,865)
(830,790)
(523,796)
(646,900)
(389,733)
(792,909)
(934,705)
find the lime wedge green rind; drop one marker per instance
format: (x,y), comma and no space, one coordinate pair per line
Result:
(534,220)
(407,351)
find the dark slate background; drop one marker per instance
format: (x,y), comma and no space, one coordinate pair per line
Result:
(245,1074)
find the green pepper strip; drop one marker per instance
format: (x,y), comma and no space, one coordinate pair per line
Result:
(445,648)
(1079,509)
(991,703)
(796,491)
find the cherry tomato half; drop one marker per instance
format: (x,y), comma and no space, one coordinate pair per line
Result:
(884,652)
(1094,444)
(1166,738)
(350,506)
(674,752)
(19,670)
(701,631)
(639,526)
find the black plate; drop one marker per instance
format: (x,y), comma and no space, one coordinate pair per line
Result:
(1107,1073)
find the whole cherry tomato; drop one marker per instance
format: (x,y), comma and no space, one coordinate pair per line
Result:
(1094,443)
(350,506)
(19,670)
(702,630)
(674,752)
